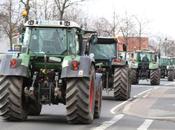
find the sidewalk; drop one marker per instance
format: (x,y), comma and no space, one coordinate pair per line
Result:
(158,104)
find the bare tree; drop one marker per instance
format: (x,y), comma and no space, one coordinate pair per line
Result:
(62,5)
(47,10)
(141,23)
(9,19)
(42,10)
(115,24)
(102,26)
(127,28)
(76,14)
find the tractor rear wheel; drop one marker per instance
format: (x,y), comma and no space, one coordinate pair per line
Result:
(121,84)
(170,75)
(12,98)
(133,76)
(80,99)
(155,77)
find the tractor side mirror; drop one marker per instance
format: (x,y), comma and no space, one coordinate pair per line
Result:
(124,47)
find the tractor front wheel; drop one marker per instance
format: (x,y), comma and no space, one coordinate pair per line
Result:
(170,75)
(34,109)
(133,76)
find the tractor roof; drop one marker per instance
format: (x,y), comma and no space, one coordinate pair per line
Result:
(56,24)
(107,40)
(145,51)
(167,57)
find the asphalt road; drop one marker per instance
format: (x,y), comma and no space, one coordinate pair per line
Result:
(133,114)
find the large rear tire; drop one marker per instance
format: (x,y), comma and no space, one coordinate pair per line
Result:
(121,84)
(80,99)
(170,75)
(133,76)
(155,77)
(12,99)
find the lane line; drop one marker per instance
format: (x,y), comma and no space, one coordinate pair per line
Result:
(141,93)
(117,107)
(146,124)
(123,103)
(107,124)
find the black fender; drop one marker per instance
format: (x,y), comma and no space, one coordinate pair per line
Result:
(6,70)
(83,71)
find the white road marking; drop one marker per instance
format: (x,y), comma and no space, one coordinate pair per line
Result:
(116,118)
(146,124)
(107,124)
(141,93)
(123,103)
(117,107)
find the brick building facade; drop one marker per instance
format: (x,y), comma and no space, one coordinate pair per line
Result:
(133,43)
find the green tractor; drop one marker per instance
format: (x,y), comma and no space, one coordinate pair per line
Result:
(52,67)
(144,65)
(115,71)
(163,62)
(171,69)
(167,67)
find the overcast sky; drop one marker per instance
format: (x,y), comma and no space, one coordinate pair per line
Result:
(159,13)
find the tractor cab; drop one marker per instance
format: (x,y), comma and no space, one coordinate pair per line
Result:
(104,50)
(52,37)
(143,59)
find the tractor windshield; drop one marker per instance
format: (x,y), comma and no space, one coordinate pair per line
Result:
(103,51)
(52,40)
(142,55)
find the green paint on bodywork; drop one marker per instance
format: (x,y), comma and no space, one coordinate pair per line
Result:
(68,59)
(153,66)
(25,59)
